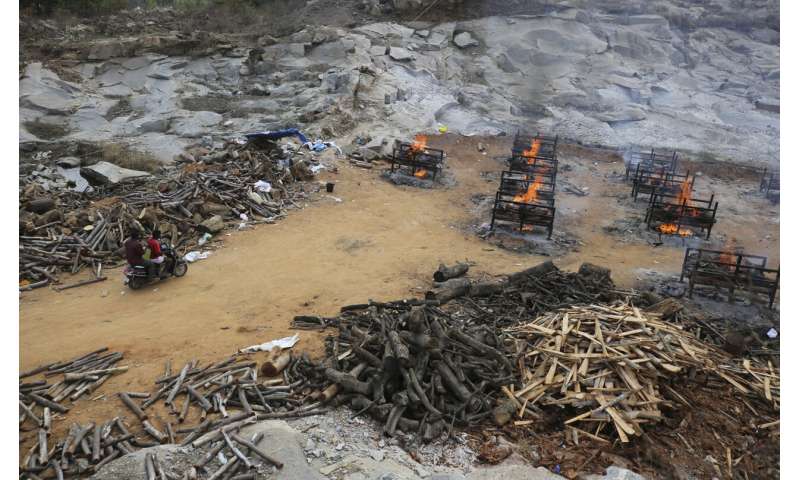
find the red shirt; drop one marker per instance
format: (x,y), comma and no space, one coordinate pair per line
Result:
(155,247)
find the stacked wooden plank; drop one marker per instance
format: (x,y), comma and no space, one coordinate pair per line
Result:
(613,365)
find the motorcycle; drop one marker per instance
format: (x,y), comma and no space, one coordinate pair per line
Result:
(136,276)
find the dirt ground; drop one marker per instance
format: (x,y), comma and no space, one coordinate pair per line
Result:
(381,241)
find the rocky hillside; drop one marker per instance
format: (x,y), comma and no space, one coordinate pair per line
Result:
(702,78)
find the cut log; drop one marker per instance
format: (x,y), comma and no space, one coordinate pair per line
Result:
(273,367)
(537,271)
(446,273)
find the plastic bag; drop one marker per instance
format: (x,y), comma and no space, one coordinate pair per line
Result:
(263,186)
(195,256)
(286,342)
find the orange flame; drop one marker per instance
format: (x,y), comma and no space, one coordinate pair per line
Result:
(672,229)
(533,151)
(685,195)
(420,143)
(532,194)
(421,173)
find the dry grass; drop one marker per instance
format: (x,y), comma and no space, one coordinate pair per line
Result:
(126,157)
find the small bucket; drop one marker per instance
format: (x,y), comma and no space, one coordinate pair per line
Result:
(329,187)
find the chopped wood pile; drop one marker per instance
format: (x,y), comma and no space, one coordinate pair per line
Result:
(414,369)
(81,376)
(220,397)
(63,230)
(615,366)
(537,347)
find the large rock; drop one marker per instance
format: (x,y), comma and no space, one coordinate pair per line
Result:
(284,442)
(464,40)
(103,173)
(400,54)
(42,89)
(174,459)
(196,125)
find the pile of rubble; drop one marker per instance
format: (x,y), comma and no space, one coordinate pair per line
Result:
(62,229)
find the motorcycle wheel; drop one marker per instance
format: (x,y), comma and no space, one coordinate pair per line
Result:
(180,269)
(135,283)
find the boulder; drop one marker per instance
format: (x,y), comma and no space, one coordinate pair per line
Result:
(196,125)
(159,126)
(103,173)
(377,50)
(400,54)
(465,40)
(213,225)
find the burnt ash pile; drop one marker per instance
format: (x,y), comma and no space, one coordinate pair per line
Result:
(61,229)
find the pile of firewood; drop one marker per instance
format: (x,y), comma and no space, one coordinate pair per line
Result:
(66,230)
(415,369)
(203,394)
(615,366)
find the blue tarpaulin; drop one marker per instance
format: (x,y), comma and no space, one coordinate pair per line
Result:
(277,134)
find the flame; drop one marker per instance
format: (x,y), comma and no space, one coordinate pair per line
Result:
(672,229)
(420,143)
(421,173)
(532,193)
(527,228)
(685,195)
(533,151)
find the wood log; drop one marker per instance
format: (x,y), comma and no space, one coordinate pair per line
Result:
(536,271)
(451,382)
(481,347)
(399,349)
(80,284)
(254,449)
(79,376)
(132,406)
(275,366)
(47,403)
(488,288)
(178,383)
(154,432)
(348,382)
(457,287)
(446,273)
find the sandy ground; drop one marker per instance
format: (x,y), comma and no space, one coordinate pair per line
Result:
(380,242)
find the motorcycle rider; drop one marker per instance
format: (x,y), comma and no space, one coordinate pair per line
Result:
(134,253)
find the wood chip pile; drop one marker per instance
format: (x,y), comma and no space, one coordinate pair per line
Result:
(615,368)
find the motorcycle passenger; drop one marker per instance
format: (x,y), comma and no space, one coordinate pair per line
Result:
(154,253)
